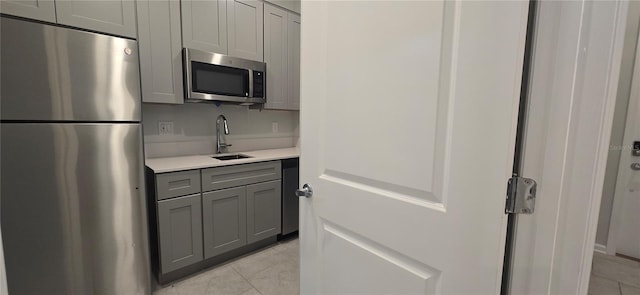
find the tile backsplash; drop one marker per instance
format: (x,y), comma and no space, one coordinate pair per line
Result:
(194,129)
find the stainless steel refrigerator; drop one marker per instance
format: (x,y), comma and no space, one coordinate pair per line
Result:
(72,202)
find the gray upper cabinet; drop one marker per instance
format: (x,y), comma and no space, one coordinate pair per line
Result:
(282,55)
(117,17)
(224,218)
(180,232)
(293,87)
(275,55)
(43,10)
(160,43)
(245,29)
(263,210)
(293,5)
(204,25)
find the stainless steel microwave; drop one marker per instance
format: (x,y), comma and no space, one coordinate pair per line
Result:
(218,77)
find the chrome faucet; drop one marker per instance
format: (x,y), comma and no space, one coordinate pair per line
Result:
(219,145)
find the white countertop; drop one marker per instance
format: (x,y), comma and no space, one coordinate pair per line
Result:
(162,165)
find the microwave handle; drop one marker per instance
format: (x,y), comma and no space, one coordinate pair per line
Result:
(250,94)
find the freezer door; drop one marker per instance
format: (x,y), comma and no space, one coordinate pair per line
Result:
(73,212)
(54,73)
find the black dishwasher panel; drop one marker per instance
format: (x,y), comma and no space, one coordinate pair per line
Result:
(290,178)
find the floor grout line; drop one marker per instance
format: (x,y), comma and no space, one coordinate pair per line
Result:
(616,264)
(247,280)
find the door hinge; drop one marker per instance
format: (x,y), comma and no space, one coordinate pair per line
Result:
(521,196)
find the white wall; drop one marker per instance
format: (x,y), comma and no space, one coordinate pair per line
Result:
(620,115)
(195,130)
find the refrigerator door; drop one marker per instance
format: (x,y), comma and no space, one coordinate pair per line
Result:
(52,73)
(73,212)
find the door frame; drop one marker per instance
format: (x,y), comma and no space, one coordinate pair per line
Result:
(577,56)
(623,171)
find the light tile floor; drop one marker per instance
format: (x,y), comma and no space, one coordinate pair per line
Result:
(272,271)
(612,275)
(275,270)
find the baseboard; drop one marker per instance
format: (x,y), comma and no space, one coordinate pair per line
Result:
(602,249)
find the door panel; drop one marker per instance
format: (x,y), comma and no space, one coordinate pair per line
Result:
(263,210)
(73,209)
(293,63)
(204,25)
(117,17)
(245,29)
(395,273)
(43,10)
(180,226)
(408,129)
(160,42)
(275,55)
(225,220)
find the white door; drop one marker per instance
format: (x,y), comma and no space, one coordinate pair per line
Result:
(408,122)
(628,182)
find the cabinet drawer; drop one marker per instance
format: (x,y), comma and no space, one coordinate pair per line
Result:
(177,184)
(230,176)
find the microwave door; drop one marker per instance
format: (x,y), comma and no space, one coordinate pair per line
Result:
(220,80)
(250,94)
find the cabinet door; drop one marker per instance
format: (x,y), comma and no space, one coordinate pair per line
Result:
(225,220)
(245,26)
(204,25)
(263,210)
(43,10)
(160,42)
(275,55)
(117,17)
(180,230)
(293,5)
(293,52)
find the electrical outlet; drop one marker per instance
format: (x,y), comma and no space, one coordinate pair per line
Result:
(165,128)
(274,127)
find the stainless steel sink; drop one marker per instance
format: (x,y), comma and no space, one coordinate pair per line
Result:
(231,157)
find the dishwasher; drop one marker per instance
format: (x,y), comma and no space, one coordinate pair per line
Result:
(290,178)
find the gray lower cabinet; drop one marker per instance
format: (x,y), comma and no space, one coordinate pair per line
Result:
(43,10)
(263,210)
(180,232)
(224,218)
(203,213)
(117,17)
